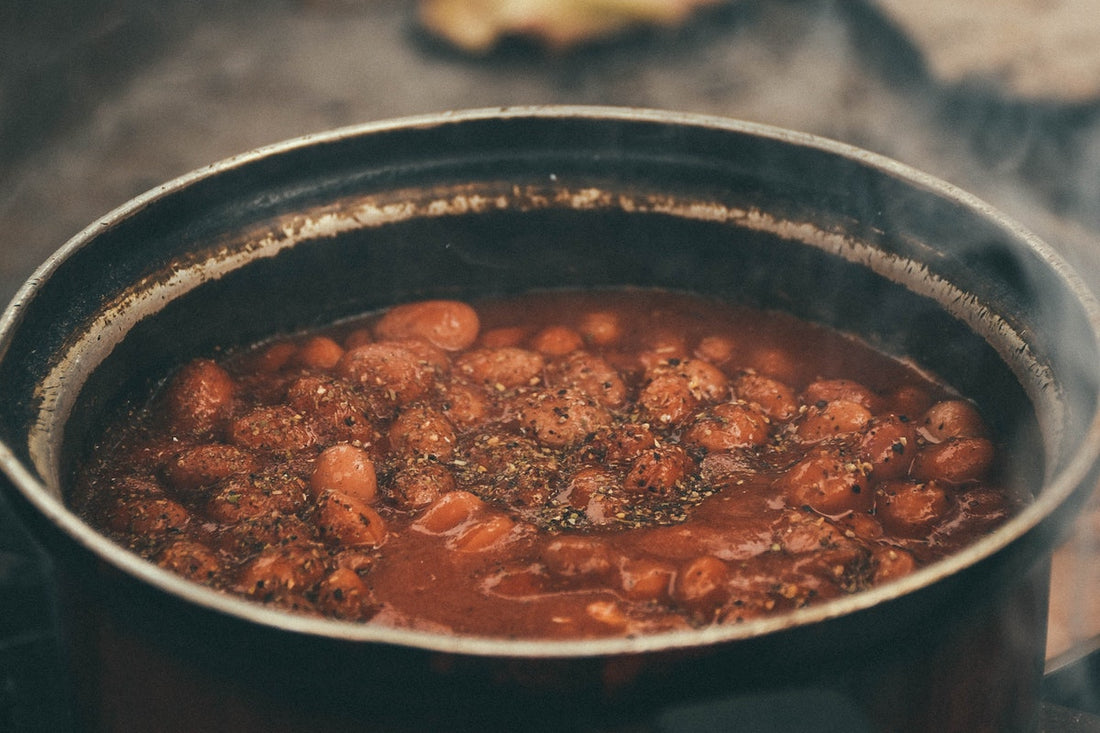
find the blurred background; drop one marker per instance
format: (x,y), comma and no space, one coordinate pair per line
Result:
(101,100)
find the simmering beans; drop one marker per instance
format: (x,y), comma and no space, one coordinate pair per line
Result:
(557,465)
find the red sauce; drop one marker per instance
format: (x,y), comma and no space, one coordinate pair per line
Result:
(551,465)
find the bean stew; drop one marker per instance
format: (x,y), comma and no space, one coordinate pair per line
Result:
(550,465)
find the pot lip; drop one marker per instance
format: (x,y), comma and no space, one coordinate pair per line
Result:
(1057,491)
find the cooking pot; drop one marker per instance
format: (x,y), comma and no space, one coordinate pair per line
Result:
(457,205)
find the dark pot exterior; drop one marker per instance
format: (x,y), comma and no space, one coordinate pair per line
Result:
(461,204)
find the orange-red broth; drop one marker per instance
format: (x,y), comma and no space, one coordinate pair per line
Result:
(552,465)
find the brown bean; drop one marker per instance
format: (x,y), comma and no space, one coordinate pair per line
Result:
(272,357)
(253,534)
(774,362)
(911,509)
(464,405)
(484,533)
(199,397)
(279,570)
(833,390)
(797,534)
(449,324)
(502,368)
(601,328)
(667,399)
(318,352)
(827,484)
(701,583)
(148,515)
(238,500)
(513,469)
(889,445)
(204,465)
(289,490)
(707,382)
(356,338)
(561,418)
(952,419)
(192,560)
(579,558)
(643,579)
(556,341)
(983,500)
(862,525)
(276,429)
(497,338)
(584,484)
(591,376)
(389,370)
(777,400)
(715,349)
(421,483)
(831,420)
(590,490)
(955,460)
(334,410)
(519,582)
(605,509)
(608,613)
(345,469)
(622,443)
(662,348)
(158,452)
(658,470)
(729,426)
(349,521)
(891,563)
(428,354)
(344,594)
(908,400)
(737,470)
(450,511)
(419,430)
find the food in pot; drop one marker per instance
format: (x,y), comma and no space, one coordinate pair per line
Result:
(550,465)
